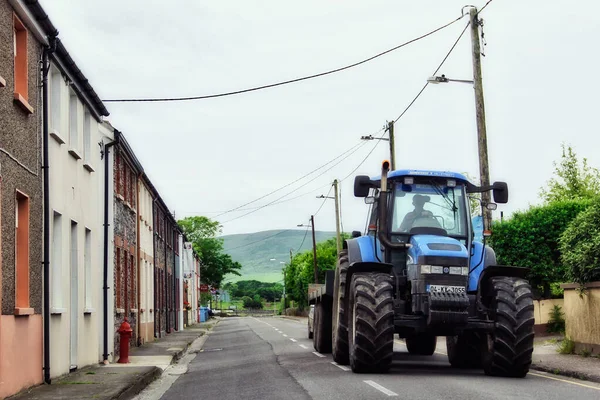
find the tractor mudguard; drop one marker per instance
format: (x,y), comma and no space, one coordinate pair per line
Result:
(496,270)
(365,267)
(362,249)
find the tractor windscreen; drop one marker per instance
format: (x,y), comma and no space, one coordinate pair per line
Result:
(430,204)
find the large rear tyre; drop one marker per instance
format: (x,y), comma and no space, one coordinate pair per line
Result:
(423,344)
(322,329)
(510,346)
(464,350)
(371,322)
(339,331)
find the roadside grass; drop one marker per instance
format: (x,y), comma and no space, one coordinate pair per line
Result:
(567,346)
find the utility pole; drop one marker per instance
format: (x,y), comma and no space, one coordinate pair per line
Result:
(484,170)
(392,146)
(312,224)
(337,218)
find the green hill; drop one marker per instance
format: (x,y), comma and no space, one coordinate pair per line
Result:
(256,250)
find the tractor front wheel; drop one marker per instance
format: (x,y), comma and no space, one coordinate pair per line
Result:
(371,322)
(510,345)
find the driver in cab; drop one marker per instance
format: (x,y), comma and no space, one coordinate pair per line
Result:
(419,212)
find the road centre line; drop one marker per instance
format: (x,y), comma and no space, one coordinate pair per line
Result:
(303,346)
(381,388)
(342,367)
(293,340)
(318,354)
(564,380)
(284,335)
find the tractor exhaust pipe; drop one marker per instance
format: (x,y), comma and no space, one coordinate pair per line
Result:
(383,212)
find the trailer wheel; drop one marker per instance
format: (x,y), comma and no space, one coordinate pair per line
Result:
(371,322)
(322,328)
(339,332)
(510,345)
(423,344)
(464,350)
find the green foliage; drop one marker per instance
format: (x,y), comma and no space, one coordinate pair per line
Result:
(585,352)
(573,180)
(556,323)
(202,232)
(567,346)
(300,272)
(531,239)
(580,246)
(265,290)
(250,302)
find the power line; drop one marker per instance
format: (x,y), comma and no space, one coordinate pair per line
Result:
(303,239)
(436,71)
(252,89)
(291,183)
(367,156)
(324,200)
(299,187)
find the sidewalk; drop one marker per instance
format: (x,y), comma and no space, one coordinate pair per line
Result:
(546,358)
(120,381)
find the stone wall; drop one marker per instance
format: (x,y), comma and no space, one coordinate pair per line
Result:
(582,316)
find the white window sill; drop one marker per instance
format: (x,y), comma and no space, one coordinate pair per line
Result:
(57,310)
(134,310)
(2,82)
(119,311)
(56,136)
(75,154)
(89,310)
(88,166)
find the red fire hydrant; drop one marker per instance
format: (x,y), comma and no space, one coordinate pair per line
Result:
(125,333)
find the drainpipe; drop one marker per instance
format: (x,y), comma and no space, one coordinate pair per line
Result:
(105,286)
(139,266)
(168,316)
(155,286)
(45,168)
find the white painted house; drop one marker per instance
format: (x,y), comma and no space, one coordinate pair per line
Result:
(76,216)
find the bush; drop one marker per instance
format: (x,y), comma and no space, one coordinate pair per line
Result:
(580,246)
(556,323)
(567,346)
(252,303)
(530,239)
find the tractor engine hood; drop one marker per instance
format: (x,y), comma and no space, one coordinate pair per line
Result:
(437,250)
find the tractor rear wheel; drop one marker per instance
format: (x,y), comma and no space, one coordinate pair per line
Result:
(464,350)
(322,328)
(371,322)
(339,331)
(510,345)
(423,344)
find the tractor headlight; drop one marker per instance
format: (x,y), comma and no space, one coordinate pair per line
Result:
(425,269)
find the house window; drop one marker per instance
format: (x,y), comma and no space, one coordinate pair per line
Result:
(87,259)
(118,280)
(22,251)
(56,262)
(56,83)
(74,125)
(87,126)
(20,52)
(125,174)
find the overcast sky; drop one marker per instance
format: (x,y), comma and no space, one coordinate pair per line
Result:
(212,155)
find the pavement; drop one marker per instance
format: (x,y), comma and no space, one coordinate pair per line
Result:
(121,381)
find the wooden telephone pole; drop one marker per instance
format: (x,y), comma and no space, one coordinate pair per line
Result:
(312,224)
(484,169)
(337,218)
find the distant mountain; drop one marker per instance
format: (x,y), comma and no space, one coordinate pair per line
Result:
(256,250)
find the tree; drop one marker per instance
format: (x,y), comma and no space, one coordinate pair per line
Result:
(530,239)
(580,246)
(573,180)
(202,233)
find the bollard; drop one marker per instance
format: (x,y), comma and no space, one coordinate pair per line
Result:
(125,333)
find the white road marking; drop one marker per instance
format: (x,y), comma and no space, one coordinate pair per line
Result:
(564,380)
(293,340)
(342,367)
(303,346)
(381,388)
(284,335)
(318,354)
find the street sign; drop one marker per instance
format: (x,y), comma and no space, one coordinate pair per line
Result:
(204,287)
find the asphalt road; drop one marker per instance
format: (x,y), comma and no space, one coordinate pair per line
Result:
(272,358)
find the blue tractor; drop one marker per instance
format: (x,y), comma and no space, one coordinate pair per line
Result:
(419,273)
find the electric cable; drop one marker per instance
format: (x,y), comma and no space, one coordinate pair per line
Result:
(324,200)
(320,74)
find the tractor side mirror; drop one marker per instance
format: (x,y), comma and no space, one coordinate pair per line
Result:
(500,191)
(362,184)
(356,234)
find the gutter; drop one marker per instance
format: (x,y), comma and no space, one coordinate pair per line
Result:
(105,286)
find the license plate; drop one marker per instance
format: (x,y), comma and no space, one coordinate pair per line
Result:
(446,289)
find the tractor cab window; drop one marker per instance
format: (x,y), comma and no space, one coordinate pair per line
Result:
(429,204)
